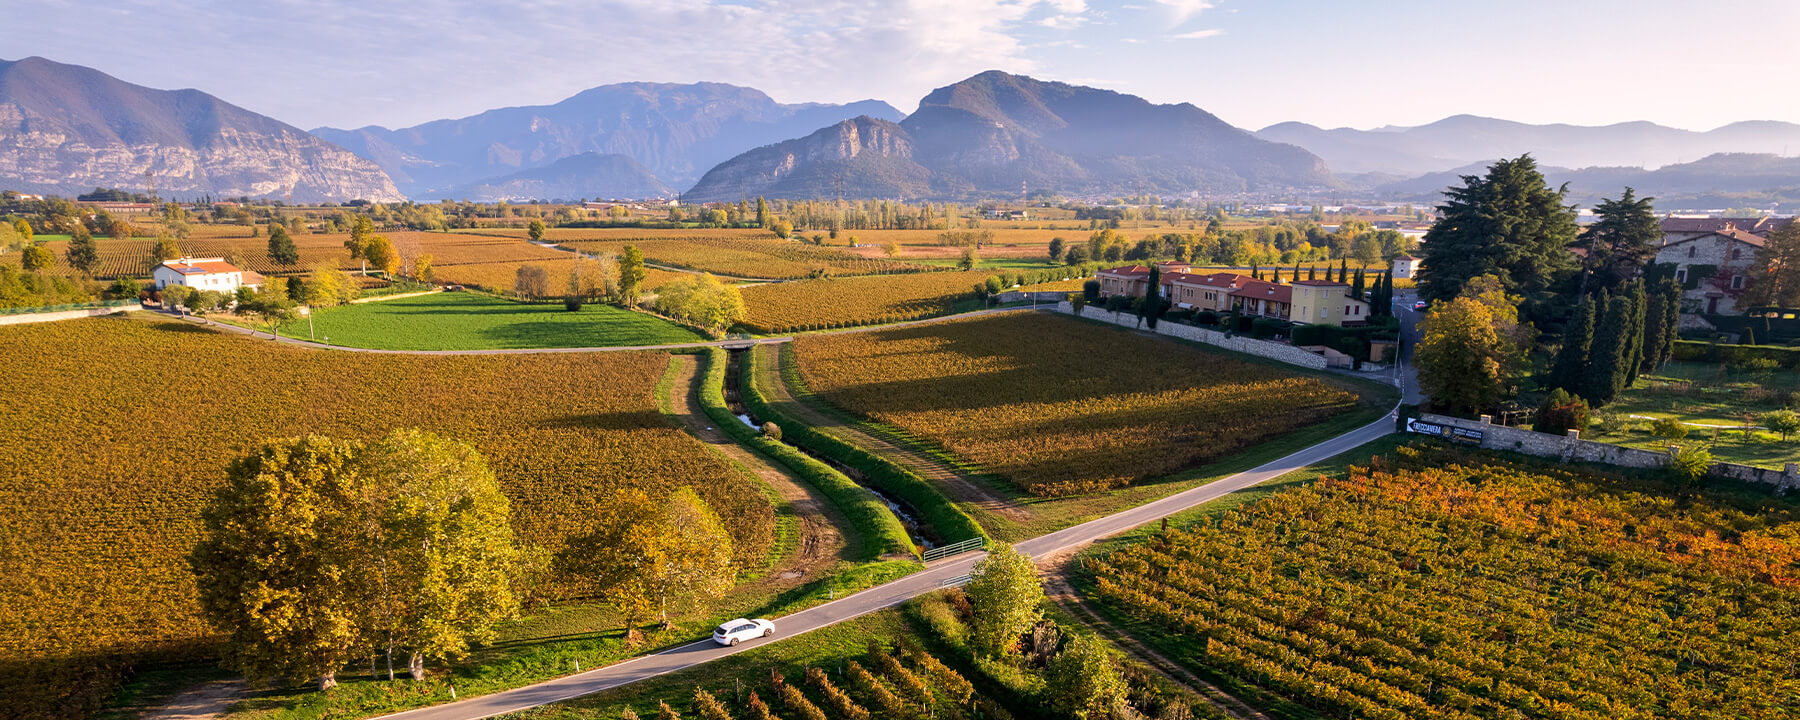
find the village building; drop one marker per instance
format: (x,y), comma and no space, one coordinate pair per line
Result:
(204,274)
(1712,259)
(1405,266)
(1327,302)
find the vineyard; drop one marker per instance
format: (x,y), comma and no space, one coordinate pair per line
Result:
(846,302)
(133,258)
(1059,406)
(1442,584)
(747,257)
(499,276)
(118,429)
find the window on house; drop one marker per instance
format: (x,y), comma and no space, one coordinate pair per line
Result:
(1690,251)
(1734,253)
(1737,282)
(1681,274)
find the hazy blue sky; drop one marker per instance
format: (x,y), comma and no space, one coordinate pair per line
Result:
(1693,64)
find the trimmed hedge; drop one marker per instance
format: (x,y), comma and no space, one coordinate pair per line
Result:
(880,529)
(944,517)
(1694,351)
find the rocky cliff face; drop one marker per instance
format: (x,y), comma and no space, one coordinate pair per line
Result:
(995,134)
(859,157)
(66,129)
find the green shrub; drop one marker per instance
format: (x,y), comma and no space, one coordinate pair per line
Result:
(1669,429)
(1561,412)
(881,531)
(950,522)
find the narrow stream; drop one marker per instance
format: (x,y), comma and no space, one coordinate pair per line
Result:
(919,532)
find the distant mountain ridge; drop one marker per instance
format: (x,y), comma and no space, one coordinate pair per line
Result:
(66,129)
(675,131)
(997,134)
(1463,139)
(1719,180)
(588,175)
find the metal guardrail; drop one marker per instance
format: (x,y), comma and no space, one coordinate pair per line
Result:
(958,548)
(954,582)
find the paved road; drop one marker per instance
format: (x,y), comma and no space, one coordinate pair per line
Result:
(884,596)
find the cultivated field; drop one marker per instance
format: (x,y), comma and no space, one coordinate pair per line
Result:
(1442,584)
(746,256)
(1059,406)
(132,258)
(119,428)
(844,302)
(469,321)
(499,276)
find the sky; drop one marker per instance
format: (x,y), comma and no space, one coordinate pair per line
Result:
(1332,63)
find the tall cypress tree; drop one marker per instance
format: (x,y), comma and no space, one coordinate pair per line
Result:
(1605,372)
(1634,333)
(1312,272)
(1356,288)
(1152,298)
(1650,352)
(1344,270)
(1671,320)
(1572,360)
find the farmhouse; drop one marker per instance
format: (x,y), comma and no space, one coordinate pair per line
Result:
(1713,257)
(1405,266)
(1225,292)
(204,274)
(1131,279)
(1327,302)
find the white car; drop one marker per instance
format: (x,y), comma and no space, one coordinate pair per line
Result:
(735,631)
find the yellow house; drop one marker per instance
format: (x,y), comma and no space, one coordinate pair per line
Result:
(1326,302)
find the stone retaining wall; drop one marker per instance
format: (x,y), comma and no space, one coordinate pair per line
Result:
(1237,343)
(67,314)
(1023,296)
(1573,449)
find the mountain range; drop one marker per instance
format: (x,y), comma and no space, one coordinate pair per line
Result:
(66,129)
(1399,152)
(1000,135)
(676,132)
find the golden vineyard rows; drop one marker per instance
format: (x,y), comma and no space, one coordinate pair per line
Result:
(747,257)
(1447,585)
(1060,406)
(844,302)
(132,258)
(118,429)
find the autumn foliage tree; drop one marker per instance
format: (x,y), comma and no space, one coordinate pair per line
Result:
(1004,593)
(317,550)
(1472,348)
(652,557)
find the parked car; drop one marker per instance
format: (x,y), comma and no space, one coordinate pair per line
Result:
(735,631)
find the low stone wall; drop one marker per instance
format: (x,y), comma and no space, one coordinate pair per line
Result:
(1574,449)
(1237,343)
(67,314)
(396,296)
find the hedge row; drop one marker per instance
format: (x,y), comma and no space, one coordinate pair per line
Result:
(871,518)
(1696,351)
(944,517)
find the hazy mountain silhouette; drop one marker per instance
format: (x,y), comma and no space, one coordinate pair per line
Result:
(588,175)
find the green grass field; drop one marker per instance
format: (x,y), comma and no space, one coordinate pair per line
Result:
(469,321)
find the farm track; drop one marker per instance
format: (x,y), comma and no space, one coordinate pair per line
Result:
(960,488)
(824,538)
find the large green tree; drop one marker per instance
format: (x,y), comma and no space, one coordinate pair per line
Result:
(631,274)
(436,559)
(281,247)
(1083,681)
(83,254)
(1472,348)
(1508,223)
(1572,359)
(1618,245)
(1004,593)
(1606,367)
(272,562)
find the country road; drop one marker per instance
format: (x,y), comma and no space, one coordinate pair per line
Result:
(888,595)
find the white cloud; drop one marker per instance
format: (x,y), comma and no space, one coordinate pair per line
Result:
(1198,34)
(351,62)
(1185,10)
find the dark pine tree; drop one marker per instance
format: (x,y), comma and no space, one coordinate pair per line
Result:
(1572,359)
(1152,298)
(1605,372)
(1508,223)
(1618,245)
(1356,287)
(1636,329)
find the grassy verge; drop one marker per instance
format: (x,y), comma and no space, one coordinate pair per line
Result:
(881,532)
(474,321)
(947,520)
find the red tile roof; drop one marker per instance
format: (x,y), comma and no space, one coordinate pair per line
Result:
(1242,286)
(1321,283)
(1756,226)
(1126,270)
(201,266)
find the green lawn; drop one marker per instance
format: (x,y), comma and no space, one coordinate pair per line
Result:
(471,321)
(1705,394)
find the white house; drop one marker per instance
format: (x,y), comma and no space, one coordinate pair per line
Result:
(204,274)
(1405,266)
